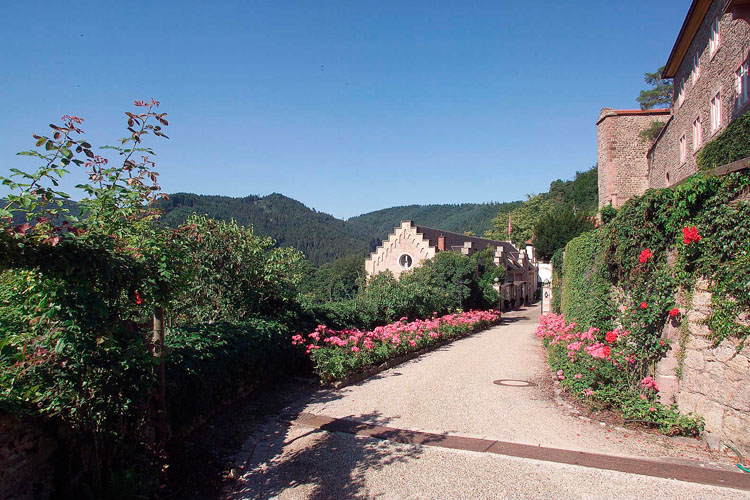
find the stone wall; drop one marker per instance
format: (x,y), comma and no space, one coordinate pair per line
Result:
(622,154)
(717,74)
(26,452)
(715,381)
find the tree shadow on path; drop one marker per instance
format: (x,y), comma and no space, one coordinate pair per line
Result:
(326,461)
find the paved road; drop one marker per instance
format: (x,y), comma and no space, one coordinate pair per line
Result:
(450,392)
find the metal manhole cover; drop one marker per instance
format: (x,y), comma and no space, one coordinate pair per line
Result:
(514,383)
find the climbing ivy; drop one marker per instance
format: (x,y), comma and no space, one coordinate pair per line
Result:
(717,210)
(731,145)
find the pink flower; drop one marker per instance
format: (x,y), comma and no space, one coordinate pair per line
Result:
(643,397)
(652,409)
(355,349)
(559,372)
(649,383)
(578,376)
(598,350)
(589,392)
(645,255)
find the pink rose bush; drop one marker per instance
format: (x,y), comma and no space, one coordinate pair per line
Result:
(584,359)
(606,369)
(338,353)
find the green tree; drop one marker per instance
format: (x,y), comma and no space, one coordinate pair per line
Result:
(661,91)
(337,280)
(555,229)
(523,220)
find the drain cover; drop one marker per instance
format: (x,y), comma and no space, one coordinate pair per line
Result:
(514,383)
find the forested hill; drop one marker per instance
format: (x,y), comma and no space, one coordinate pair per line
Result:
(320,236)
(474,217)
(323,237)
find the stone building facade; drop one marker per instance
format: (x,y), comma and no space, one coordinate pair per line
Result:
(709,65)
(623,154)
(410,245)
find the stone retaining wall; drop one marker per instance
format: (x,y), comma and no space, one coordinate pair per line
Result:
(26,467)
(715,381)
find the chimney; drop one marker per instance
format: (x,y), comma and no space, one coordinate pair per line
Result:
(441,243)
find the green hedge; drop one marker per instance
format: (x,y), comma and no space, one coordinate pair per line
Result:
(557,280)
(586,289)
(210,364)
(731,145)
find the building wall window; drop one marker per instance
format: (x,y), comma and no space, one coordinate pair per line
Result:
(716,112)
(681,93)
(742,85)
(696,66)
(715,37)
(697,134)
(683,148)
(405,261)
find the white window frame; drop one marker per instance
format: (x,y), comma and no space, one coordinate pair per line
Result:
(681,93)
(714,39)
(716,112)
(743,93)
(683,149)
(697,133)
(409,264)
(696,66)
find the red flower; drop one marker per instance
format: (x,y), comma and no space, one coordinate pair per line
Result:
(674,312)
(611,337)
(644,305)
(690,235)
(138,299)
(645,255)
(606,350)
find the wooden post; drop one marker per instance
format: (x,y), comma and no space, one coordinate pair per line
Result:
(162,427)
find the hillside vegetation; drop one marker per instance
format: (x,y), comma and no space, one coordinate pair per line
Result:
(579,195)
(322,237)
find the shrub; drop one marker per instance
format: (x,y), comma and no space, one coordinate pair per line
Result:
(231,274)
(337,354)
(602,369)
(209,364)
(557,280)
(586,288)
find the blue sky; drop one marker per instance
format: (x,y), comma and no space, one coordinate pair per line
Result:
(346,106)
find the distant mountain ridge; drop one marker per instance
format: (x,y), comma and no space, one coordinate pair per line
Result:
(322,237)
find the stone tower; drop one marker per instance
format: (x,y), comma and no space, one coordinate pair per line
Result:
(622,154)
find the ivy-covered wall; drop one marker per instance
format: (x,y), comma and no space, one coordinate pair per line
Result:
(672,268)
(731,145)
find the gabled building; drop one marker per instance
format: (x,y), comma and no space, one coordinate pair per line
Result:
(709,65)
(410,245)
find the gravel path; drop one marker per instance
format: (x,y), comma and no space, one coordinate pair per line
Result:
(451,391)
